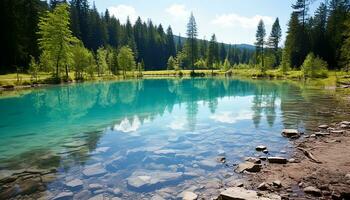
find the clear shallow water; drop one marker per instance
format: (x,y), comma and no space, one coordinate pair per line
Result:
(169,130)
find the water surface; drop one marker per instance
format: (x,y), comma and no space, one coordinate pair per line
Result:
(172,130)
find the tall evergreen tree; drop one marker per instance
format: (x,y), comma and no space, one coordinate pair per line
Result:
(170,43)
(274,40)
(223,53)
(192,33)
(213,52)
(260,41)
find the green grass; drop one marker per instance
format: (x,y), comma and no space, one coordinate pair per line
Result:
(44,78)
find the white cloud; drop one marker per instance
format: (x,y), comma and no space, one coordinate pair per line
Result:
(126,126)
(122,12)
(178,124)
(231,118)
(178,11)
(235,20)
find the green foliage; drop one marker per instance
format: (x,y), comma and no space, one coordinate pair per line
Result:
(227,65)
(345,50)
(56,38)
(260,41)
(102,66)
(126,59)
(171,63)
(314,67)
(81,60)
(285,65)
(201,64)
(33,68)
(191,43)
(213,52)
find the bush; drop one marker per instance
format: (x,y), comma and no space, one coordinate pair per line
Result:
(314,67)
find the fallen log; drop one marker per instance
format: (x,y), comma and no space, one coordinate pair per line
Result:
(309,155)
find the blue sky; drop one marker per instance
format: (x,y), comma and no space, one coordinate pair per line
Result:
(233,21)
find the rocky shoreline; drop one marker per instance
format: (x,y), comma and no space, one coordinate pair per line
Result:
(318,169)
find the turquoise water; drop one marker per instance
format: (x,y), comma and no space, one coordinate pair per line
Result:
(141,127)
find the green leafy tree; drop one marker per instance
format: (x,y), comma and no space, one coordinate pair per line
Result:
(171,63)
(314,67)
(56,38)
(126,59)
(191,43)
(260,41)
(33,68)
(227,65)
(91,68)
(102,65)
(81,60)
(201,64)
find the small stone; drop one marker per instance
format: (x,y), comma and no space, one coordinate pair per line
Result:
(85,194)
(253,160)
(278,160)
(283,152)
(98,197)
(313,191)
(265,151)
(63,195)
(324,126)
(117,191)
(290,133)
(263,158)
(248,166)
(338,131)
(320,134)
(345,123)
(277,183)
(313,135)
(263,186)
(347,176)
(188,195)
(95,186)
(238,193)
(261,148)
(292,160)
(74,184)
(221,159)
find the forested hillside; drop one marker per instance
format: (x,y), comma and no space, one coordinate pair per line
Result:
(152,44)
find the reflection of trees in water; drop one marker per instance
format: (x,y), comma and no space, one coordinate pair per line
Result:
(265,95)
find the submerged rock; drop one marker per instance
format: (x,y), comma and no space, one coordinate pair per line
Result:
(151,179)
(98,197)
(74,184)
(94,170)
(290,133)
(248,166)
(277,160)
(63,196)
(188,195)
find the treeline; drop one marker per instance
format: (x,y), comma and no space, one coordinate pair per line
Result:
(314,43)
(151,44)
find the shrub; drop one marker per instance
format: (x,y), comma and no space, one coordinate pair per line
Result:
(314,67)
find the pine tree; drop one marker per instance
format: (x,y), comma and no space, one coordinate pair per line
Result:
(170,44)
(223,53)
(260,41)
(213,53)
(191,43)
(274,40)
(301,8)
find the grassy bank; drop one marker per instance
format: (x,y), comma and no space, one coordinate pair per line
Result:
(45,78)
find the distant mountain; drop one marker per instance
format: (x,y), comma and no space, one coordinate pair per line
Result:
(239,46)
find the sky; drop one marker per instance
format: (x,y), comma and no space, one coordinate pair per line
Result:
(233,21)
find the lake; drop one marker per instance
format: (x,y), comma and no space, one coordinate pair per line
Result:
(152,138)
